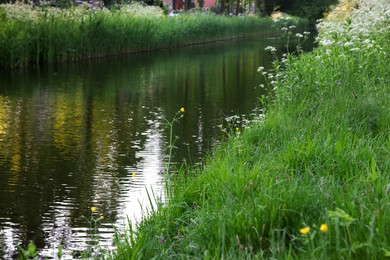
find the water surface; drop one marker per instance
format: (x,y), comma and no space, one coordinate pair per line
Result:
(94,134)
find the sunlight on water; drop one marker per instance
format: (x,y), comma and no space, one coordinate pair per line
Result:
(95,135)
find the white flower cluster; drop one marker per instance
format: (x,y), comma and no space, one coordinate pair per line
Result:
(20,11)
(25,12)
(28,13)
(142,10)
(270,49)
(366,18)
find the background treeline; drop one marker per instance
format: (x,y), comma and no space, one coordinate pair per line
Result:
(311,9)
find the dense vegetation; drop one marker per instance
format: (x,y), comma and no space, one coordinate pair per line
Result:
(36,36)
(312,9)
(312,179)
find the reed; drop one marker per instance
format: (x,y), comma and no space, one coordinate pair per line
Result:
(41,35)
(311,181)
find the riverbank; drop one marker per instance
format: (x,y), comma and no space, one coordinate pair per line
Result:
(309,181)
(34,36)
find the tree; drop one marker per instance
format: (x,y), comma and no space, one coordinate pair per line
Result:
(263,8)
(223,4)
(237,7)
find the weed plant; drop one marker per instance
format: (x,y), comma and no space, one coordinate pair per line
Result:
(40,35)
(311,181)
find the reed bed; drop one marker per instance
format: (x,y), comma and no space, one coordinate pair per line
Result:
(311,181)
(40,35)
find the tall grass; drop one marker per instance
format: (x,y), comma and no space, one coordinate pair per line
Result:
(321,156)
(36,35)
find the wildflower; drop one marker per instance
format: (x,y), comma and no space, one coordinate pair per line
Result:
(260,69)
(299,35)
(270,48)
(101,217)
(133,174)
(348,44)
(326,42)
(306,33)
(304,230)
(237,129)
(292,27)
(93,209)
(324,228)
(182,110)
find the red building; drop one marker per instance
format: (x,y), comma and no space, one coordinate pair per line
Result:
(179,4)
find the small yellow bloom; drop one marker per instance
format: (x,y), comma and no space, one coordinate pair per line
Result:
(237,129)
(101,217)
(133,174)
(324,228)
(182,110)
(304,230)
(93,209)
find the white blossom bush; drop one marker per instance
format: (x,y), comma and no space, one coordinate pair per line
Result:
(355,23)
(141,10)
(353,34)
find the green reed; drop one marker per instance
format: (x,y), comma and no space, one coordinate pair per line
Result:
(35,36)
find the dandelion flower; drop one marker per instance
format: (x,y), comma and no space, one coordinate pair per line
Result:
(133,174)
(304,230)
(324,228)
(182,109)
(93,209)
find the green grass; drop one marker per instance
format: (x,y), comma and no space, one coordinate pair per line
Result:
(322,155)
(36,36)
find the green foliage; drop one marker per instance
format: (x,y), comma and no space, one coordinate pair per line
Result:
(312,9)
(35,36)
(320,156)
(29,253)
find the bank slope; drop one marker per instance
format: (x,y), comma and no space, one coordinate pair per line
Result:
(310,181)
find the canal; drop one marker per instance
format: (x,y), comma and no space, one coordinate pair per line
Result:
(94,134)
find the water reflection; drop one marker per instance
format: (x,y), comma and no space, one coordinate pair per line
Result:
(84,135)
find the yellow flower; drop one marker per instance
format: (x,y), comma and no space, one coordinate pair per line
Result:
(237,129)
(133,174)
(304,230)
(101,217)
(93,209)
(182,110)
(324,228)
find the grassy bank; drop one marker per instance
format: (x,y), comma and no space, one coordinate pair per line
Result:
(39,35)
(312,181)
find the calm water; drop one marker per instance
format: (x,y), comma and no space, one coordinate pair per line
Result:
(72,137)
